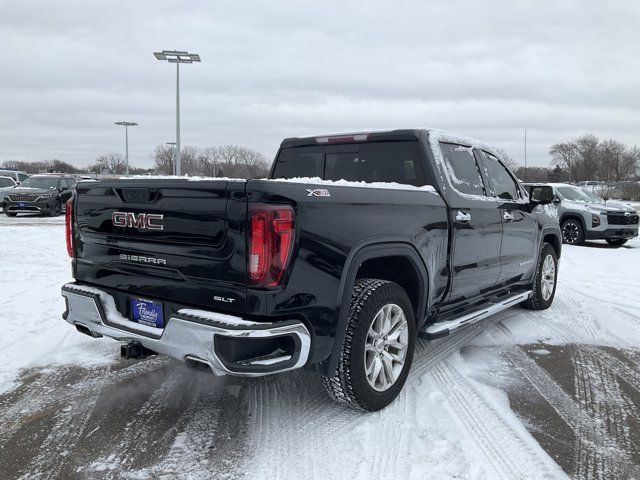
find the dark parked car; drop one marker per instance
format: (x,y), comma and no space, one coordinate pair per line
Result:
(6,184)
(354,245)
(46,194)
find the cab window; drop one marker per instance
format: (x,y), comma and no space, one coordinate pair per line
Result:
(500,182)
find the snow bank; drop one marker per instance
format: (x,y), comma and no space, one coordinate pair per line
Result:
(33,334)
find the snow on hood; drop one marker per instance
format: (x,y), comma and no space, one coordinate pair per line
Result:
(609,207)
(625,207)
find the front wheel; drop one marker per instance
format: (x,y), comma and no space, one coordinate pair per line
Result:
(378,347)
(572,232)
(616,242)
(56,209)
(10,214)
(545,280)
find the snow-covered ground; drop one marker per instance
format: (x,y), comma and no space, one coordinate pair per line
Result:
(524,395)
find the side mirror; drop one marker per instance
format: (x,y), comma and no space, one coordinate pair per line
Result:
(541,194)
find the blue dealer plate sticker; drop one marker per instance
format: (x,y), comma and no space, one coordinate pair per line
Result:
(147,312)
(22,204)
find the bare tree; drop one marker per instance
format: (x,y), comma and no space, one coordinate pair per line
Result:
(564,155)
(508,159)
(209,161)
(45,166)
(588,158)
(189,160)
(163,159)
(109,162)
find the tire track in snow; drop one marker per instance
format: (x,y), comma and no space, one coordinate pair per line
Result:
(570,335)
(142,425)
(599,394)
(429,353)
(560,319)
(57,448)
(206,425)
(292,413)
(44,393)
(502,444)
(598,452)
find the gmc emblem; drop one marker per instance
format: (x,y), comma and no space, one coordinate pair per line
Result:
(146,221)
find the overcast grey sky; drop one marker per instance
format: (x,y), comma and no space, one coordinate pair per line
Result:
(274,69)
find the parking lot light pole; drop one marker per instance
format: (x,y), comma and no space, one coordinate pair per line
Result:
(173,156)
(177,57)
(126,142)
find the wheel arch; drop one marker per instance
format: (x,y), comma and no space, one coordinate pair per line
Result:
(377,259)
(574,216)
(554,238)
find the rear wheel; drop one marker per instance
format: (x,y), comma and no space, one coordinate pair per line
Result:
(11,214)
(616,242)
(545,280)
(572,232)
(378,347)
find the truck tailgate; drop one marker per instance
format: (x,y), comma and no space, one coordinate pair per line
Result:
(178,240)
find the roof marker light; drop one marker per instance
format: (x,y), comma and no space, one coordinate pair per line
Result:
(359,137)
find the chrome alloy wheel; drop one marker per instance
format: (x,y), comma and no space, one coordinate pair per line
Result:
(385,348)
(570,232)
(548,277)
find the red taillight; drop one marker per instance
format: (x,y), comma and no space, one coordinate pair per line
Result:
(68,230)
(271,234)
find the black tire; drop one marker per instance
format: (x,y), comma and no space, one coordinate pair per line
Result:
(616,242)
(572,232)
(56,209)
(537,300)
(10,214)
(349,385)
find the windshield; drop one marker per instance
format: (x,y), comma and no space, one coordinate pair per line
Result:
(40,182)
(574,193)
(593,198)
(6,182)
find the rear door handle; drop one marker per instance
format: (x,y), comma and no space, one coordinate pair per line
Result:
(463,217)
(508,216)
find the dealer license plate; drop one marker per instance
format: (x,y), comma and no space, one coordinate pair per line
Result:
(146,312)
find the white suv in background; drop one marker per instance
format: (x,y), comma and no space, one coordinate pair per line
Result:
(585,216)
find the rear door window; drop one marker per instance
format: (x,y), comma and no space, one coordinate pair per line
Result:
(388,162)
(462,169)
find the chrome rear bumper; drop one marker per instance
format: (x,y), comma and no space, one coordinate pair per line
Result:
(192,335)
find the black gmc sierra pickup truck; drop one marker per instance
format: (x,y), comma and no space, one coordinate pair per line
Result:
(354,245)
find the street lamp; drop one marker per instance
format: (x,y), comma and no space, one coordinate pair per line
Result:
(177,57)
(126,141)
(173,156)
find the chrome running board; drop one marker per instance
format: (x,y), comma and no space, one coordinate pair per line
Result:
(440,329)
